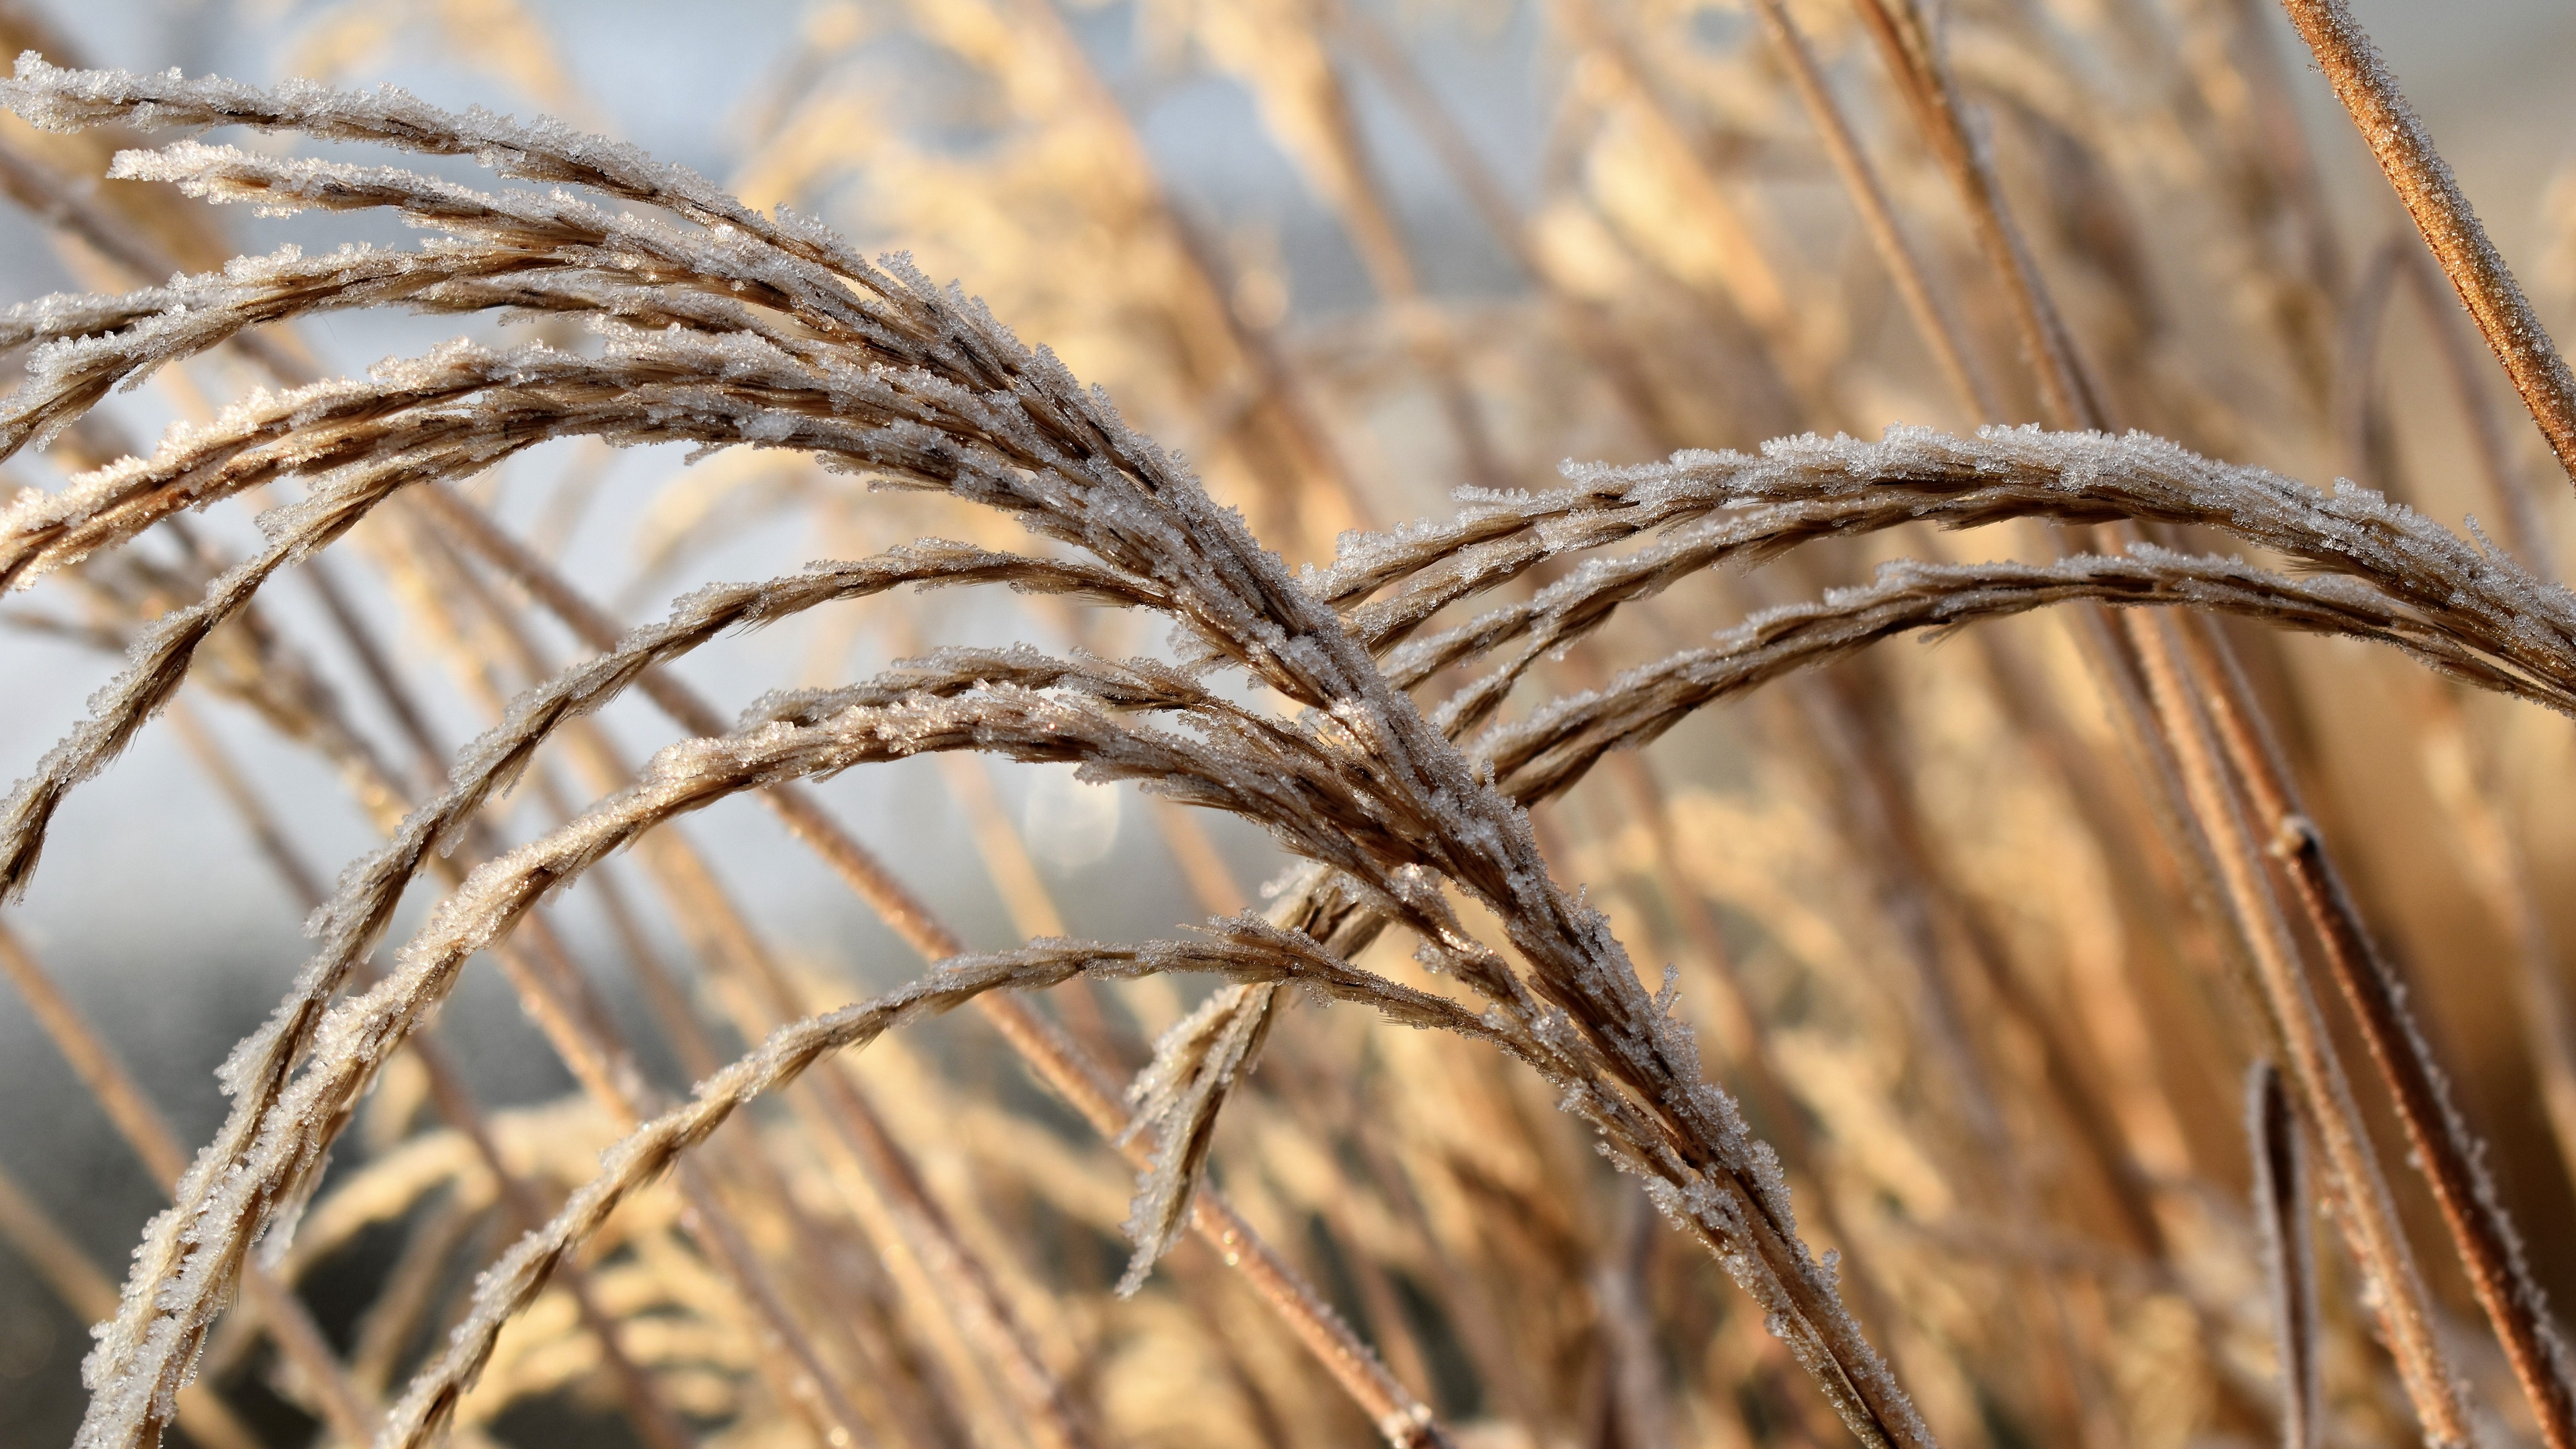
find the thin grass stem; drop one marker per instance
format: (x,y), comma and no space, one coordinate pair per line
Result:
(2406,155)
(2442,1145)
(2281,1211)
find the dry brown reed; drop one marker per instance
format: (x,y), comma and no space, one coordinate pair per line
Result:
(1990,944)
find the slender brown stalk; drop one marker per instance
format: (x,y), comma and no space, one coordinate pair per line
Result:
(2281,1210)
(581,1030)
(2441,1142)
(2431,195)
(2357,409)
(1634,1396)
(964,1286)
(1194,854)
(897,1221)
(1875,814)
(1346,174)
(376,787)
(1025,897)
(2212,675)
(1940,333)
(550,990)
(2367,1214)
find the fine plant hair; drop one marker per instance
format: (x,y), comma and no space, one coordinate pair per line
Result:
(1457,734)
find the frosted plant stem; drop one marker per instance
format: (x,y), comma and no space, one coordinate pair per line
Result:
(912,385)
(343,1404)
(1248,950)
(2367,1215)
(965,1286)
(2211,674)
(2441,1143)
(1848,1369)
(51,1255)
(551,990)
(2405,152)
(46,196)
(570,1028)
(1407,1421)
(650,1413)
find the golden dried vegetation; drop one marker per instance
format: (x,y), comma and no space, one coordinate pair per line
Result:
(1680,1013)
